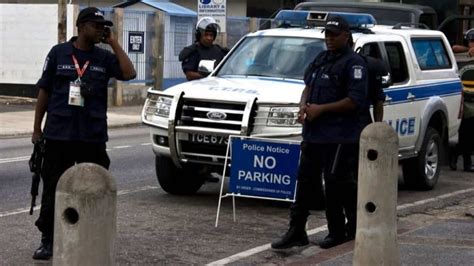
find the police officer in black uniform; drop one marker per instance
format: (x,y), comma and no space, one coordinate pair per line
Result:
(376,70)
(332,109)
(73,91)
(203,49)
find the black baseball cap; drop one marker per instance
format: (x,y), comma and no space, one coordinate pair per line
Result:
(92,14)
(336,24)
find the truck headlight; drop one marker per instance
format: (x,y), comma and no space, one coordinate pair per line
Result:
(158,105)
(283,117)
(163,105)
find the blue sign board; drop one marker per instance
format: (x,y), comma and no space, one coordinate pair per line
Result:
(263,168)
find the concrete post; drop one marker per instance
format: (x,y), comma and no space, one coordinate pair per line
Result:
(85,217)
(376,236)
(253,26)
(62,21)
(118,32)
(158,49)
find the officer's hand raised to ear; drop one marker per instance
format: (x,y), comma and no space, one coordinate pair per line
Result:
(107,36)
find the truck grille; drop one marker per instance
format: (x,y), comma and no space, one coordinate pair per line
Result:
(210,118)
(196,113)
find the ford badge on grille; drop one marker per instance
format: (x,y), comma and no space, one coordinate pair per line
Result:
(216,115)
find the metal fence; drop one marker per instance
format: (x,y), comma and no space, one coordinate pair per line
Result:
(139,22)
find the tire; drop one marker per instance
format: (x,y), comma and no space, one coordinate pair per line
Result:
(422,172)
(178,181)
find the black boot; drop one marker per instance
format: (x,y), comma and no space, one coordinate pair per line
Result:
(453,161)
(467,163)
(296,236)
(332,241)
(45,250)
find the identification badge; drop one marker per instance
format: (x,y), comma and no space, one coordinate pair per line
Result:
(75,97)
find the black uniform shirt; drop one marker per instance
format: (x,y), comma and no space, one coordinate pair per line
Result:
(193,54)
(376,70)
(333,78)
(75,123)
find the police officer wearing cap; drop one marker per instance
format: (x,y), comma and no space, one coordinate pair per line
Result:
(332,109)
(73,93)
(203,49)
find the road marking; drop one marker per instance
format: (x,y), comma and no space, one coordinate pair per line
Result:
(122,147)
(434,199)
(14,159)
(133,190)
(265,247)
(120,193)
(26,158)
(259,249)
(17,211)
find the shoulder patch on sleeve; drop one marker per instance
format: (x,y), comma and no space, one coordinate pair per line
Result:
(45,63)
(357,72)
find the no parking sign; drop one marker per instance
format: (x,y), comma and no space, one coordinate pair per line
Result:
(261,168)
(264,168)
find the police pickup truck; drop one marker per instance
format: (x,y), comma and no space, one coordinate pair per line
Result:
(256,89)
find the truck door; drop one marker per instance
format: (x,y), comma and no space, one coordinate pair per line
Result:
(402,111)
(399,109)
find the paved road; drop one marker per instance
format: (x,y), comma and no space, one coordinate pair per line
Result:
(158,228)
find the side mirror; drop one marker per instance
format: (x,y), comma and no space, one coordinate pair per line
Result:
(387,80)
(206,66)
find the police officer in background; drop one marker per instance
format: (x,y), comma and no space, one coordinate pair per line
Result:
(203,49)
(469,47)
(332,108)
(73,91)
(465,145)
(376,70)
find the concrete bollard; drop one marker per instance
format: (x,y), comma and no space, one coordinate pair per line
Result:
(85,217)
(376,236)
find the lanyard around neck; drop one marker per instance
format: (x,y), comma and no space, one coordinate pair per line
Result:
(80,72)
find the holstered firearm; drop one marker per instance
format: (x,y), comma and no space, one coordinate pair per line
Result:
(36,163)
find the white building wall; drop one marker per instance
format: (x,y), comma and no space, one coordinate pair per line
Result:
(27,33)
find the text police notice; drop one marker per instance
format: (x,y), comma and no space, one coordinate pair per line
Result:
(264,168)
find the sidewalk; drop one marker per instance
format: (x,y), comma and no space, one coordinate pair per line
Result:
(17,116)
(442,236)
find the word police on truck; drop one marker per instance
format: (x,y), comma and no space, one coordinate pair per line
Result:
(256,89)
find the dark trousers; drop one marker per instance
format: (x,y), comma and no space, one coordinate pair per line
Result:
(465,146)
(59,156)
(338,163)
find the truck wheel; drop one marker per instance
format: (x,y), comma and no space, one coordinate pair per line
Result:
(174,180)
(422,172)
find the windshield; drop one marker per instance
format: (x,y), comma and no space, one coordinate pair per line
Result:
(281,57)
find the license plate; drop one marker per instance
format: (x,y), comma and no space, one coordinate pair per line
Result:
(208,139)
